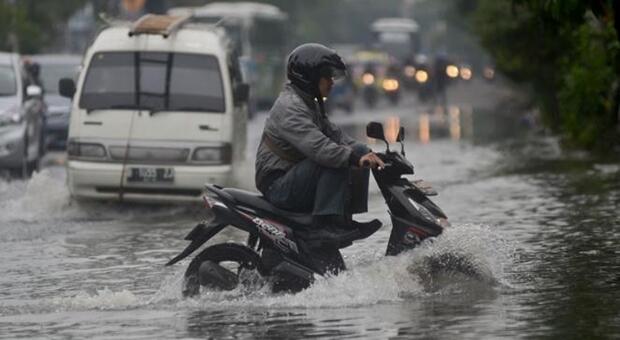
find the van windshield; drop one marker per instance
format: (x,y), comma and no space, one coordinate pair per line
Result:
(154,81)
(8,87)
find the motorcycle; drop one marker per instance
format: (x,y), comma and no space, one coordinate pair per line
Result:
(286,248)
(370,93)
(391,88)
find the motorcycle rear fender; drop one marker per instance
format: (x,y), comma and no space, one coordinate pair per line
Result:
(203,232)
(199,236)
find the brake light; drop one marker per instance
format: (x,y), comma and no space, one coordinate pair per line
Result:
(418,232)
(210,202)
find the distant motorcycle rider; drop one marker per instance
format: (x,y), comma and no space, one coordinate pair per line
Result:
(304,162)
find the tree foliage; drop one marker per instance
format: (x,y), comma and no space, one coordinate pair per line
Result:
(567,52)
(34,24)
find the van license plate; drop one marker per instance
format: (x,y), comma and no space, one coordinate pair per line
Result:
(150,175)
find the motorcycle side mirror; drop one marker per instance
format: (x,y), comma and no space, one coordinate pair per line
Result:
(375,130)
(400,138)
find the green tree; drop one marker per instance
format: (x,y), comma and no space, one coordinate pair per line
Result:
(567,51)
(34,24)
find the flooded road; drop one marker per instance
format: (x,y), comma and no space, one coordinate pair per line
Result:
(542,225)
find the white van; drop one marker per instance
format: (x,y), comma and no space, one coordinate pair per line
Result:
(158,111)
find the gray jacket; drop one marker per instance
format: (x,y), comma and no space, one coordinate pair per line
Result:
(297,128)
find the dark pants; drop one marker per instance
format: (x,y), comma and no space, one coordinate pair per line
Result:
(310,187)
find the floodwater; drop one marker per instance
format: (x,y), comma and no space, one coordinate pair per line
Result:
(541,225)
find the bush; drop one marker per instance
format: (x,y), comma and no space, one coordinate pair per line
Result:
(587,96)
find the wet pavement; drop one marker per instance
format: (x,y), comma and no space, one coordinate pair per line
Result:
(541,225)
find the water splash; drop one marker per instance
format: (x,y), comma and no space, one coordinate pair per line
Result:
(43,195)
(380,280)
(104,299)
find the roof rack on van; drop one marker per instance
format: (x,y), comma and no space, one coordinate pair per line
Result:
(157,24)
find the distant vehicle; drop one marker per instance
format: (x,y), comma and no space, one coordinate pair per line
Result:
(342,95)
(157,113)
(21,117)
(259,33)
(53,68)
(370,92)
(423,76)
(399,37)
(369,69)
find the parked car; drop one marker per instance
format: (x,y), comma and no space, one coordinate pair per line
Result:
(21,117)
(53,68)
(157,113)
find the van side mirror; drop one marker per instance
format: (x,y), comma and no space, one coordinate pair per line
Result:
(66,87)
(34,91)
(241,93)
(401,134)
(375,130)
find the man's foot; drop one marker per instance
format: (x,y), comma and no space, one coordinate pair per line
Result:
(330,236)
(367,228)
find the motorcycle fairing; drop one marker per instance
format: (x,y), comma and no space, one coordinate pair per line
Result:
(412,220)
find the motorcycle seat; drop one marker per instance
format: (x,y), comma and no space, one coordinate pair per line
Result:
(257,201)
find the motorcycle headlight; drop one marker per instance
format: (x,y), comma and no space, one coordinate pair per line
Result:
(86,150)
(390,84)
(410,71)
(213,154)
(421,76)
(452,71)
(368,79)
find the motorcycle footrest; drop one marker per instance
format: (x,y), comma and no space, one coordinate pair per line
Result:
(320,238)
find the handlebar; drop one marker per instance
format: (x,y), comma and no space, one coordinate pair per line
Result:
(366,164)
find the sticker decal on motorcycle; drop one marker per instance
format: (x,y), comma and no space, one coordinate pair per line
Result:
(275,234)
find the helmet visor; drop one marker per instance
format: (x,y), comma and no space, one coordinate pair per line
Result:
(333,72)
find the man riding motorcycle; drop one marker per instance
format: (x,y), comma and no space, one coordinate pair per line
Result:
(305,163)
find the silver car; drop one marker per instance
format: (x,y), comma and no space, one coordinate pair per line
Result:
(53,68)
(22,111)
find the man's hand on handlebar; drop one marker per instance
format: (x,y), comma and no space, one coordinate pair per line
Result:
(371,160)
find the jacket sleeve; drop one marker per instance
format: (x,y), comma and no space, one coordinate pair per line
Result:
(298,129)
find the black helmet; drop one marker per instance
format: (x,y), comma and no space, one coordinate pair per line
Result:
(309,62)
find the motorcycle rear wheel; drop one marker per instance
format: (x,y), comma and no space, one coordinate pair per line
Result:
(206,268)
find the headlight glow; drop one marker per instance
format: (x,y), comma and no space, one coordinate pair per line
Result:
(489,72)
(410,71)
(368,79)
(452,71)
(466,73)
(421,76)
(390,84)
